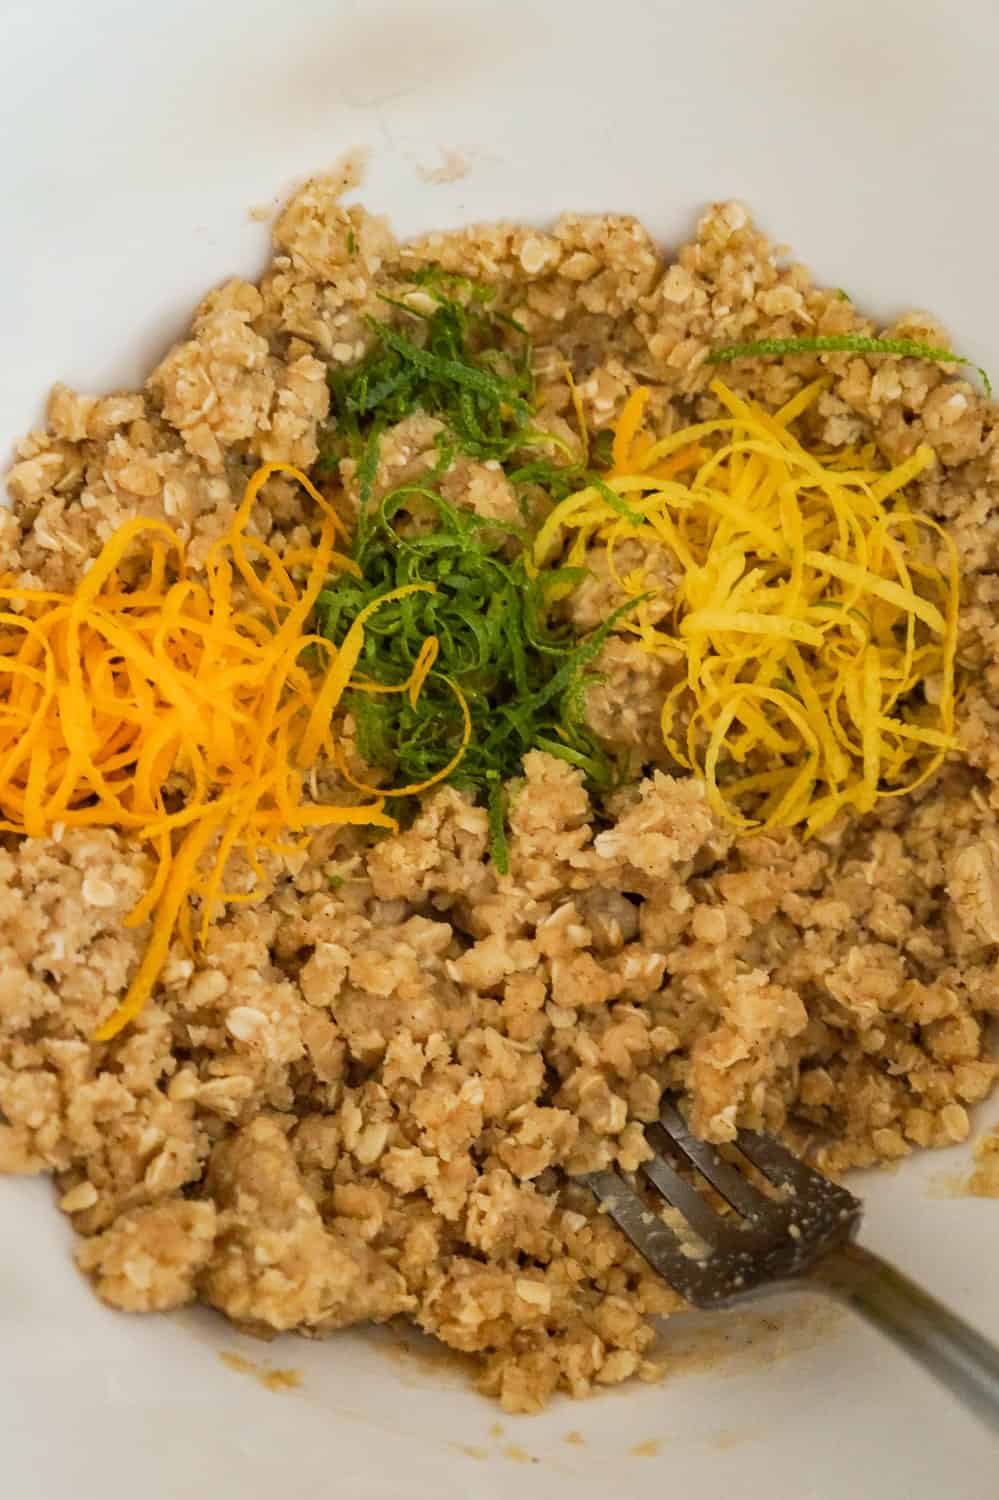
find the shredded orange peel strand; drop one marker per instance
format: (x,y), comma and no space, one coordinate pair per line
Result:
(814,625)
(136,693)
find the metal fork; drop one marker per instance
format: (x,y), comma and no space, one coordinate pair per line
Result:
(802,1239)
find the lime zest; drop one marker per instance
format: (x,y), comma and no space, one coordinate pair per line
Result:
(499,681)
(844,343)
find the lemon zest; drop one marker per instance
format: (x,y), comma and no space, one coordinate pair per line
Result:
(817,632)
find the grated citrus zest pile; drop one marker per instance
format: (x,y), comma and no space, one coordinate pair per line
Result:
(813,627)
(119,702)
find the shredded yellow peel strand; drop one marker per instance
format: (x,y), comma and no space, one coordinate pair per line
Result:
(168,710)
(814,615)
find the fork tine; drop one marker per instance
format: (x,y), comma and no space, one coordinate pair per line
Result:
(680,1194)
(773,1241)
(647,1232)
(725,1179)
(784,1169)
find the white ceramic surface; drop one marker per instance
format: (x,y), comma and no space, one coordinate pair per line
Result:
(134,138)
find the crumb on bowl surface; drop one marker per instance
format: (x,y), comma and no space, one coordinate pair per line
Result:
(363,1101)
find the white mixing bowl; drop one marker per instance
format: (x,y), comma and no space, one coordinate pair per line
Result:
(135,140)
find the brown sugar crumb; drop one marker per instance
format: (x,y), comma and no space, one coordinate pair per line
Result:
(517,1455)
(452,167)
(365,1102)
(728,1438)
(651,1448)
(984,1179)
(270,1378)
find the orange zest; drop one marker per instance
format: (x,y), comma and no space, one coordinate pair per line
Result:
(151,701)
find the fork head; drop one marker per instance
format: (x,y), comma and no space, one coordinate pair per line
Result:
(763,1241)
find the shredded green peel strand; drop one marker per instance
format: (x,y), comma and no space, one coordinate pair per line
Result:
(844,343)
(524,683)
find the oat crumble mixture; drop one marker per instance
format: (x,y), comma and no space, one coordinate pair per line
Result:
(364,1103)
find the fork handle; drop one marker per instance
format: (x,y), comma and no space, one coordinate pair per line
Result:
(943,1343)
